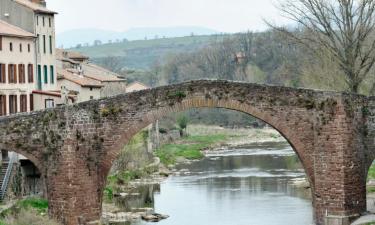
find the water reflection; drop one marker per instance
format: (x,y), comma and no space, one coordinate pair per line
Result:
(247,186)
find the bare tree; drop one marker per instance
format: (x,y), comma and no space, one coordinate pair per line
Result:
(112,63)
(343,27)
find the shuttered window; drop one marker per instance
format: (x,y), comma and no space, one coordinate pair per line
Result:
(31,102)
(1,43)
(21,74)
(12,74)
(23,101)
(2,73)
(3,105)
(45,68)
(12,104)
(30,73)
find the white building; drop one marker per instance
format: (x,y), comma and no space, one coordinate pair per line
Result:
(87,81)
(17,60)
(34,17)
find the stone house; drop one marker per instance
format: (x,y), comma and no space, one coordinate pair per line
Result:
(95,81)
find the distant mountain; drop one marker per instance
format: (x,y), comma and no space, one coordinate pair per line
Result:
(72,38)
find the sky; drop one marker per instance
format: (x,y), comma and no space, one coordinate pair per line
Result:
(120,15)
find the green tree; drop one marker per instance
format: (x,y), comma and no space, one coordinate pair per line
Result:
(182,122)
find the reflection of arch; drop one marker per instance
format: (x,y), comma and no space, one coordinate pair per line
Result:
(290,134)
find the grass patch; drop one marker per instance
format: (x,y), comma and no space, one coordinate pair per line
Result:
(38,205)
(371,173)
(190,149)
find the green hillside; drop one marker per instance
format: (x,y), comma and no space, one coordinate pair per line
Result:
(143,53)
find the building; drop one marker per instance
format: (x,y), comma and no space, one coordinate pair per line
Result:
(89,81)
(33,17)
(83,88)
(136,86)
(16,69)
(28,78)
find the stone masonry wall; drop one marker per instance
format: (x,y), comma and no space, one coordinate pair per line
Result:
(74,146)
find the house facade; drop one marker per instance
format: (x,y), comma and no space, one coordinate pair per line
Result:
(17,63)
(88,81)
(33,17)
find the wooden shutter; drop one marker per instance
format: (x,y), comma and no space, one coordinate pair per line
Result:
(31,102)
(23,103)
(10,77)
(12,104)
(2,73)
(21,73)
(3,105)
(15,74)
(30,73)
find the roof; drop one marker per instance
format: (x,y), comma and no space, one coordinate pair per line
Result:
(7,29)
(100,74)
(35,7)
(51,93)
(64,54)
(136,86)
(82,80)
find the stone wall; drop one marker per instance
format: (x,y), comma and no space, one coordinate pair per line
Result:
(75,146)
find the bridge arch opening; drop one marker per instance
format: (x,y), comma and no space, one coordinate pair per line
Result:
(285,154)
(21,176)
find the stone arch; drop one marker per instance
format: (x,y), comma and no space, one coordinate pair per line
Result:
(289,133)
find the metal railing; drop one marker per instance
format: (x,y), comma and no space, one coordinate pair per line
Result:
(12,158)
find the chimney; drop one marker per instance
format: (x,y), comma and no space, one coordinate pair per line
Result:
(40,2)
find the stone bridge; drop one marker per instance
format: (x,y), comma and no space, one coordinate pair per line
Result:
(74,146)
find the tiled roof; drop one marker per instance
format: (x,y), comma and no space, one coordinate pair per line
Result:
(136,86)
(64,54)
(35,7)
(51,93)
(7,29)
(82,80)
(100,74)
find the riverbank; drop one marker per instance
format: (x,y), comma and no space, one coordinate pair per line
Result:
(200,139)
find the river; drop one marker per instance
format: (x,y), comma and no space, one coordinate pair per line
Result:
(244,186)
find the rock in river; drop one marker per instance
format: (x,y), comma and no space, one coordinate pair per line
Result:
(155,217)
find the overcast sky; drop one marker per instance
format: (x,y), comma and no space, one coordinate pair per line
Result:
(121,15)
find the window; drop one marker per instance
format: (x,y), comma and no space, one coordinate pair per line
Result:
(37,20)
(3,105)
(38,42)
(39,77)
(11,46)
(30,73)
(44,22)
(50,44)
(2,73)
(1,43)
(50,103)
(45,75)
(90,88)
(20,47)
(12,104)
(28,48)
(12,74)
(52,78)
(44,44)
(31,102)
(21,74)
(23,101)
(49,22)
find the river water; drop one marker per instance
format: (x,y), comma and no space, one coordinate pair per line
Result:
(245,186)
